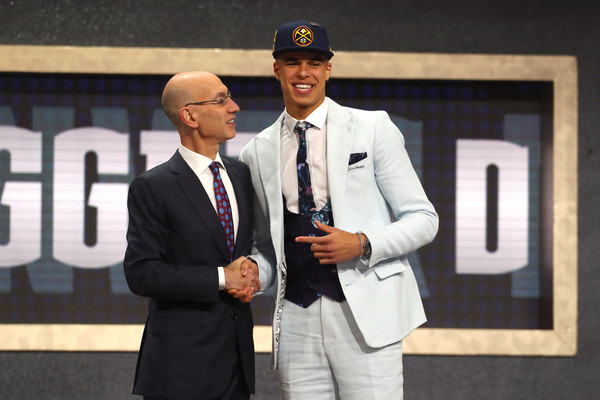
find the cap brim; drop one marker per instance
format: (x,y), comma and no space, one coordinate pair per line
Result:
(281,51)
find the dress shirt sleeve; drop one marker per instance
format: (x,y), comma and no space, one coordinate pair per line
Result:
(221,278)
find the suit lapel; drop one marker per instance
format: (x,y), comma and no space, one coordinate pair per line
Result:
(339,145)
(194,191)
(268,159)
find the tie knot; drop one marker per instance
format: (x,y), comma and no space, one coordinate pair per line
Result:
(301,127)
(214,167)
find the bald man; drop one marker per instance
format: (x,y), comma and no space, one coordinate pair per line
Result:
(190,225)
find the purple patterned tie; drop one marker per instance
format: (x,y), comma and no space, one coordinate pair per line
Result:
(223,208)
(306,202)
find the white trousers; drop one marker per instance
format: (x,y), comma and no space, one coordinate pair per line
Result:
(323,356)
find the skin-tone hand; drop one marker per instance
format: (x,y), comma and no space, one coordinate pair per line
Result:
(241,279)
(246,294)
(336,246)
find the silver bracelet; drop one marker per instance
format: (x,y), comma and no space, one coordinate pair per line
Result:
(362,244)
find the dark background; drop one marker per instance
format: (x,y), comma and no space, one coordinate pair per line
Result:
(429,26)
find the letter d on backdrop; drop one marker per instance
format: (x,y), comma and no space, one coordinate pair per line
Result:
(474,225)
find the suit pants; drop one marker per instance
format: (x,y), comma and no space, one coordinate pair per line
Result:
(323,356)
(237,390)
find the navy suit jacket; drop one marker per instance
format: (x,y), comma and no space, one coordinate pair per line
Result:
(195,335)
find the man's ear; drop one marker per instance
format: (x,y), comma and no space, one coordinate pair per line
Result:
(187,117)
(328,72)
(276,70)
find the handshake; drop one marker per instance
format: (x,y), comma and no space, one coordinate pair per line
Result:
(241,279)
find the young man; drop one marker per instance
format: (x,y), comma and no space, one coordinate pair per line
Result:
(338,206)
(190,223)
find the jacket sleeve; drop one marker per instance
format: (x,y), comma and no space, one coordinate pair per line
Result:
(414,221)
(262,249)
(158,262)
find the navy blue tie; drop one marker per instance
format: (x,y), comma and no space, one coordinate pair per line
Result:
(306,202)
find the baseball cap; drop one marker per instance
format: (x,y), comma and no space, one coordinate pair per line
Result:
(301,36)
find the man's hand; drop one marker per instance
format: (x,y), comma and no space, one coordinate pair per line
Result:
(241,279)
(336,246)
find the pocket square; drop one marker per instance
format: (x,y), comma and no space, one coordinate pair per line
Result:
(356,157)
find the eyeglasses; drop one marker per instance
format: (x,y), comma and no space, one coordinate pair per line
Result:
(220,101)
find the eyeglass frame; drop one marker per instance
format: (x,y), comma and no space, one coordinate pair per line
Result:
(220,101)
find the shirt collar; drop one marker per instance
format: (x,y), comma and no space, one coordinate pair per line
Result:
(197,161)
(318,118)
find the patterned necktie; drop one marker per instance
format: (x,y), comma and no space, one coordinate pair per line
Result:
(223,208)
(306,201)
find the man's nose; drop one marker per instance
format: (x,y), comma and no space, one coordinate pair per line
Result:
(233,106)
(303,70)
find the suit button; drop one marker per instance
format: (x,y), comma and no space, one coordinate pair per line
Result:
(234,315)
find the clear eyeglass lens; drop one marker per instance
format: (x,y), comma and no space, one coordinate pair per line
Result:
(223,100)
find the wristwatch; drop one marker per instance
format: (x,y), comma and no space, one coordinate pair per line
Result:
(366,249)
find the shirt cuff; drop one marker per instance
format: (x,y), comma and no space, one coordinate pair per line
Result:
(221,273)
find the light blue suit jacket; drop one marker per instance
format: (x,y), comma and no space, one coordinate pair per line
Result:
(379,195)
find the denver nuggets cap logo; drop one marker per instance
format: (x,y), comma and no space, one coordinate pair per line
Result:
(303,36)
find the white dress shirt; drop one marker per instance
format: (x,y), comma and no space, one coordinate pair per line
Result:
(316,145)
(200,165)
